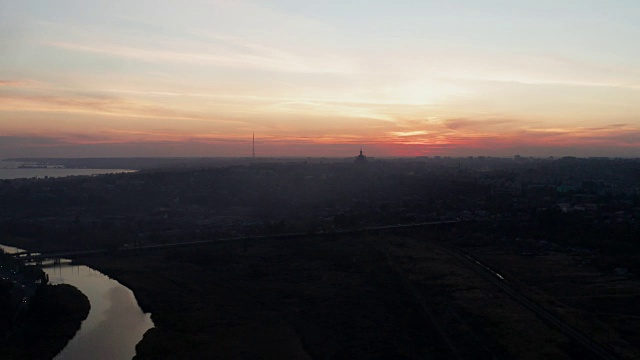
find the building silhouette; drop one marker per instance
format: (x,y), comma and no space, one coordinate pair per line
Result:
(361,159)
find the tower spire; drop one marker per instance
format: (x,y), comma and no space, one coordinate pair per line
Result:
(361,159)
(253,145)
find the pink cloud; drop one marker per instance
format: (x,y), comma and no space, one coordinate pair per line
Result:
(11,83)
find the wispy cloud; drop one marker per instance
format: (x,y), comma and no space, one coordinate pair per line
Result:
(9,83)
(20,83)
(542,80)
(475,125)
(493,134)
(625,138)
(409,133)
(246,56)
(331,108)
(100,105)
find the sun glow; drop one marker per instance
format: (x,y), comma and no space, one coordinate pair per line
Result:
(411,79)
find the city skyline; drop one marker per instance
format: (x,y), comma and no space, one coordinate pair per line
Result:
(198,78)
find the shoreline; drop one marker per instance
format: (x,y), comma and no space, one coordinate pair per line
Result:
(46,324)
(111,274)
(337,297)
(144,306)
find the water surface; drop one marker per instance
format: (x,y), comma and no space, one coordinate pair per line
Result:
(115,323)
(11,170)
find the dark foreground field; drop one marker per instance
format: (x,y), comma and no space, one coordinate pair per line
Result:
(53,319)
(368,297)
(276,299)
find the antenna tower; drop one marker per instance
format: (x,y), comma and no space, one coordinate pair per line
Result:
(253,145)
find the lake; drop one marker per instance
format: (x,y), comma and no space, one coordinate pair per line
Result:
(11,170)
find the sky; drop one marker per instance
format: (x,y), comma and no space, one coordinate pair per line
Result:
(319,78)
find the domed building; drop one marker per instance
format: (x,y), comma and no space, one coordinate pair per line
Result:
(361,159)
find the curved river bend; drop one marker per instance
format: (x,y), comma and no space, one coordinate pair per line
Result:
(115,323)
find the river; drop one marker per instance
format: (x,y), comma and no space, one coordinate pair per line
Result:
(115,323)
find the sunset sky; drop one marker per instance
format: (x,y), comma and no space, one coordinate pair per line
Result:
(319,78)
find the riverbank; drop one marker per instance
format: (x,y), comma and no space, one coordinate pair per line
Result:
(302,299)
(54,317)
(349,297)
(115,323)
(336,298)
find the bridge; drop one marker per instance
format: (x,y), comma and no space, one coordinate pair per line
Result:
(30,257)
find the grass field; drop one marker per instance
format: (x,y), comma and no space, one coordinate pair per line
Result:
(356,298)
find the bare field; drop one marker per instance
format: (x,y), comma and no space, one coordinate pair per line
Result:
(603,306)
(482,320)
(275,299)
(340,298)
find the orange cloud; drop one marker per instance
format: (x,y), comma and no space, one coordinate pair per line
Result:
(222,52)
(624,141)
(13,83)
(469,124)
(100,105)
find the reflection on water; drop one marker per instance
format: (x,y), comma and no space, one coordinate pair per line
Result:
(115,323)
(9,249)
